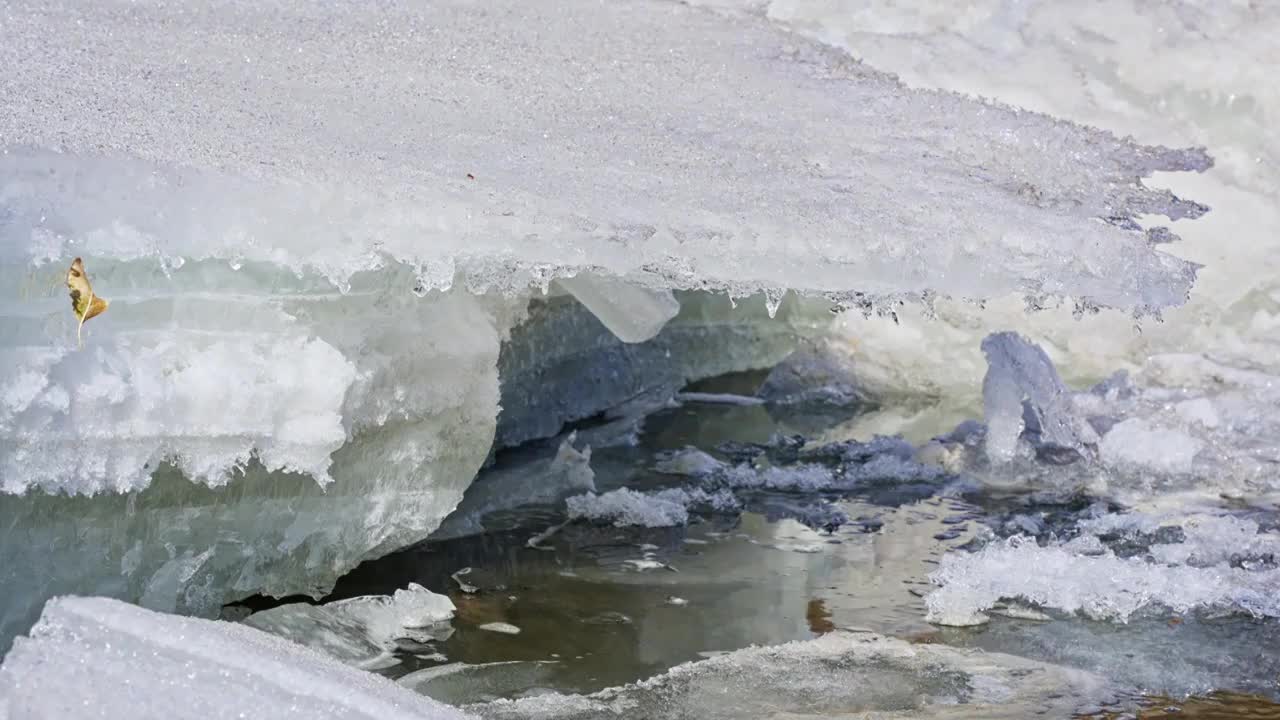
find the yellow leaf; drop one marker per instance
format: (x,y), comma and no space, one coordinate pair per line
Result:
(83,302)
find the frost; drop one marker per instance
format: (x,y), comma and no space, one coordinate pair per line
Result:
(100,658)
(361,630)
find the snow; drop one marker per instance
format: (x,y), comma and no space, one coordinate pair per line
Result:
(1162,72)
(1084,576)
(632,141)
(1135,443)
(101,658)
(361,630)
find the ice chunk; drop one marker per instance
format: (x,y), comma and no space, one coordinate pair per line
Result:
(689,461)
(1023,394)
(1136,445)
(879,677)
(633,314)
(661,508)
(100,658)
(500,627)
(361,630)
(495,161)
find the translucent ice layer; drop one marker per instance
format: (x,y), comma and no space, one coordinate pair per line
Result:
(877,677)
(100,658)
(361,630)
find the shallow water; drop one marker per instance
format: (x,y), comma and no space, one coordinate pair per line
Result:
(598,606)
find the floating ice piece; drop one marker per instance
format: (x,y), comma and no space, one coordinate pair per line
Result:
(100,658)
(688,461)
(361,630)
(882,678)
(500,627)
(661,508)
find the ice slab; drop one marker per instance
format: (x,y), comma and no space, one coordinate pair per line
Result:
(361,630)
(638,140)
(101,658)
(872,676)
(215,442)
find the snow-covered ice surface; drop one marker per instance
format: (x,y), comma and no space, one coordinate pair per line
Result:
(839,675)
(640,139)
(101,658)
(1167,72)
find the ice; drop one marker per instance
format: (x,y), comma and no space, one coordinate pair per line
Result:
(1136,445)
(661,508)
(632,142)
(1203,572)
(1166,72)
(841,672)
(241,439)
(817,373)
(1022,393)
(318,225)
(101,658)
(562,364)
(361,630)
(633,314)
(543,480)
(461,682)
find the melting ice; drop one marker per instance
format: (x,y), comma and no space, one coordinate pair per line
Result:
(354,254)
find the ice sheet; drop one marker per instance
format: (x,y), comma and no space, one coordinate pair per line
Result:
(100,658)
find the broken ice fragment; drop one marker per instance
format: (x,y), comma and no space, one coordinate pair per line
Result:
(1023,396)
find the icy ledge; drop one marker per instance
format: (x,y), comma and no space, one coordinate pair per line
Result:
(99,658)
(639,140)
